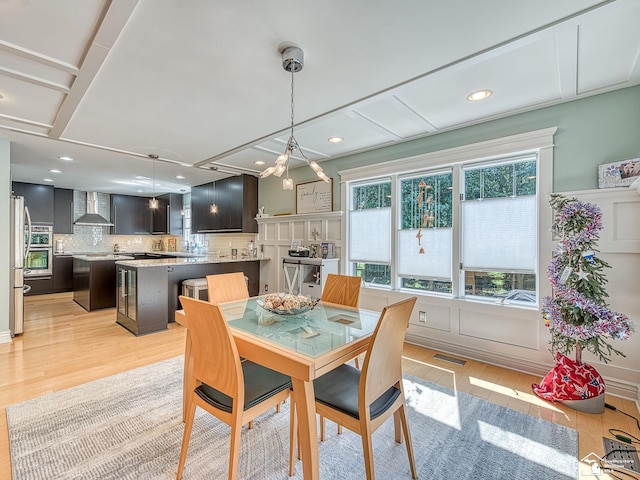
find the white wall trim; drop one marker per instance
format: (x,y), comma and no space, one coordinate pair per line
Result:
(615,386)
(523,142)
(5,337)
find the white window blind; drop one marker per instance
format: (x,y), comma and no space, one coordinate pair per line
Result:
(499,234)
(370,235)
(435,262)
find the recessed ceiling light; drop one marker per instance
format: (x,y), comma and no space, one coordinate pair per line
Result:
(180,177)
(139,191)
(479,95)
(335,139)
(47,180)
(55,170)
(259,162)
(66,158)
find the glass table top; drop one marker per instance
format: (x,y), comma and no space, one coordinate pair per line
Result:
(313,333)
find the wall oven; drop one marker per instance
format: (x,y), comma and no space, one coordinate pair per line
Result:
(39,262)
(41,236)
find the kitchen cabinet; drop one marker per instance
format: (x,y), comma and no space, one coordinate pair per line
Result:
(202,220)
(141,294)
(130,215)
(39,199)
(94,283)
(62,273)
(39,285)
(237,200)
(307,276)
(238,203)
(167,218)
(62,210)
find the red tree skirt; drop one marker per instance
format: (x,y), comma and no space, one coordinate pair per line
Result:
(569,380)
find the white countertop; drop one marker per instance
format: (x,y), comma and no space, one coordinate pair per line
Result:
(200,259)
(100,257)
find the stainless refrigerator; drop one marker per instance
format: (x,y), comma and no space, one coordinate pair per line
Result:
(20,243)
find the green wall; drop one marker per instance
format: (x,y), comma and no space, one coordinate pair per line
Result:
(591,131)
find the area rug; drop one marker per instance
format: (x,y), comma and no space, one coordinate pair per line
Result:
(129,426)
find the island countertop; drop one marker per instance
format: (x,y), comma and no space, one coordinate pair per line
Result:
(99,257)
(200,259)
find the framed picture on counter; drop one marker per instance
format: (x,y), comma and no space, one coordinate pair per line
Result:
(314,197)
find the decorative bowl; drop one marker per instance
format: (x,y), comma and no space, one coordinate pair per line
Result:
(286,304)
(293,311)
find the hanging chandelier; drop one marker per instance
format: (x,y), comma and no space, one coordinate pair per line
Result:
(213,208)
(292,61)
(153,202)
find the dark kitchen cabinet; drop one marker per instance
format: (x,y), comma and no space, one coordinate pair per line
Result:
(39,199)
(130,215)
(39,285)
(167,218)
(202,220)
(63,210)
(237,201)
(94,283)
(62,273)
(141,295)
(159,217)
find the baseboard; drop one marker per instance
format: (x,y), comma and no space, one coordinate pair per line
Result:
(615,387)
(5,337)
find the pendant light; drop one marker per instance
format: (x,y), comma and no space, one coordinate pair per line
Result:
(292,61)
(213,208)
(153,202)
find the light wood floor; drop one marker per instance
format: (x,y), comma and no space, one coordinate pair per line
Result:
(63,346)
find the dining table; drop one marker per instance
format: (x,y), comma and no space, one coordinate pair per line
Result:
(301,344)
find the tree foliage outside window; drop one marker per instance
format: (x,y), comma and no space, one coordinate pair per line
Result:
(374,195)
(506,180)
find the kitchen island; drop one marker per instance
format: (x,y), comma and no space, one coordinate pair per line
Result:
(147,290)
(94,280)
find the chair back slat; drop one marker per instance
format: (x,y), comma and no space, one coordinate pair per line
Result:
(215,355)
(382,366)
(226,287)
(342,290)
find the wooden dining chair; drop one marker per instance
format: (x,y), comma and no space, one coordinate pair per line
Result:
(234,392)
(226,287)
(362,400)
(342,290)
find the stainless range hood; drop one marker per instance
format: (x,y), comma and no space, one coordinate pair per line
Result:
(92,218)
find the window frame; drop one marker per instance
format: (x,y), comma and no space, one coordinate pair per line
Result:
(539,143)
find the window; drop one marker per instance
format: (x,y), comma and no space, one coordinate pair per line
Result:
(370,238)
(462,222)
(499,230)
(425,234)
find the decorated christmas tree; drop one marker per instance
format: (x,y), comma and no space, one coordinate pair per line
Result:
(577,314)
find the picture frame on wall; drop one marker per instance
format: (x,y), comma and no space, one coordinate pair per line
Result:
(618,174)
(314,197)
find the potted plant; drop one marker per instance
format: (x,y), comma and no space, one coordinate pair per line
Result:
(576,313)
